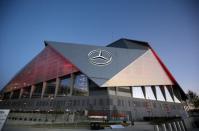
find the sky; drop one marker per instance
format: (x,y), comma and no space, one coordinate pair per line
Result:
(170,26)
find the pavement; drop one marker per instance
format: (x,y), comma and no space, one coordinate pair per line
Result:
(55,129)
(50,128)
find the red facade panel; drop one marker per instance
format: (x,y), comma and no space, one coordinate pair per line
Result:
(46,66)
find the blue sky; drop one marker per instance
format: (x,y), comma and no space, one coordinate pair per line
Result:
(170,26)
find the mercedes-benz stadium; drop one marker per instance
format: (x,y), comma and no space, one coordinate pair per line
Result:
(125,80)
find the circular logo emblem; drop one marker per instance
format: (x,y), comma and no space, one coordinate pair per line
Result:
(99,57)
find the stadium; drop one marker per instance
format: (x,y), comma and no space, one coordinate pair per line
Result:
(125,80)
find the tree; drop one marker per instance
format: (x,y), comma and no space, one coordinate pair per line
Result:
(193,98)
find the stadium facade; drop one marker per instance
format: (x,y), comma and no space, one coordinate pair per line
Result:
(123,80)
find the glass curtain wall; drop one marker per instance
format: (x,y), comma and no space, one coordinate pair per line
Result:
(95,90)
(64,89)
(37,91)
(26,92)
(124,91)
(6,95)
(16,94)
(50,89)
(80,85)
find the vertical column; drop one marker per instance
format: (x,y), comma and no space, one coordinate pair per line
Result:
(163,92)
(174,126)
(72,84)
(43,89)
(11,94)
(57,86)
(131,88)
(21,93)
(107,91)
(176,92)
(154,91)
(116,91)
(178,126)
(170,127)
(143,91)
(164,127)
(157,128)
(182,125)
(170,89)
(32,90)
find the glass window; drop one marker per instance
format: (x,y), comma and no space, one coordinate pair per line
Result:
(16,94)
(80,85)
(26,92)
(111,90)
(64,89)
(50,89)
(38,90)
(95,90)
(6,95)
(124,91)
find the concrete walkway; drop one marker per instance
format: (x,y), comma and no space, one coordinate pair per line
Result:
(55,129)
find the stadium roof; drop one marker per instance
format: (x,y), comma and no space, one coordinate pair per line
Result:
(77,54)
(131,63)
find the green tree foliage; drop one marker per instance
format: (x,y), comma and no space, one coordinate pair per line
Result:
(193,98)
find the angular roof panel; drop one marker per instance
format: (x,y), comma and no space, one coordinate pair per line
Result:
(129,44)
(78,55)
(145,70)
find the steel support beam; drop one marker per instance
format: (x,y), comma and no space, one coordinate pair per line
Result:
(43,89)
(32,90)
(143,91)
(154,91)
(72,80)
(21,93)
(11,94)
(116,91)
(163,92)
(57,86)
(170,89)
(131,89)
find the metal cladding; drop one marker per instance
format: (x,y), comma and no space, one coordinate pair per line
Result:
(145,70)
(45,66)
(79,55)
(121,63)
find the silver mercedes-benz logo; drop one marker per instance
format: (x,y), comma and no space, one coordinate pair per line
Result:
(99,57)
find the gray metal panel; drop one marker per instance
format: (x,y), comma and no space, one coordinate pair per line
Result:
(129,44)
(78,55)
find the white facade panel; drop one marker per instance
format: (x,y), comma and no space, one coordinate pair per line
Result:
(160,96)
(168,96)
(137,92)
(145,70)
(149,93)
